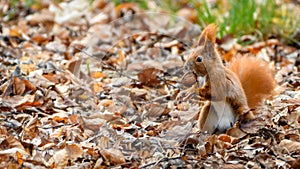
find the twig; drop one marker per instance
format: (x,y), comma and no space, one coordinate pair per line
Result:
(166,82)
(153,100)
(58,126)
(109,66)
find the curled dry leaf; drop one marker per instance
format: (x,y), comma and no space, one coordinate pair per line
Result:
(149,77)
(44,16)
(155,110)
(289,146)
(19,158)
(106,103)
(112,155)
(235,132)
(74,151)
(97,74)
(187,115)
(253,126)
(232,166)
(188,79)
(74,66)
(40,39)
(179,132)
(18,86)
(61,158)
(9,140)
(227,138)
(296,163)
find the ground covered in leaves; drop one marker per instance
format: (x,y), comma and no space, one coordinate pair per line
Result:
(94,85)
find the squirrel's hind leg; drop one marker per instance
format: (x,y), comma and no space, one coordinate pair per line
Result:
(216,116)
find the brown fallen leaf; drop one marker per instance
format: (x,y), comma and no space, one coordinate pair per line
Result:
(296,163)
(289,146)
(30,130)
(224,138)
(97,74)
(74,151)
(210,144)
(25,105)
(93,124)
(15,32)
(155,110)
(43,17)
(149,77)
(235,132)
(106,103)
(253,126)
(112,155)
(40,39)
(9,141)
(61,158)
(18,86)
(74,66)
(232,166)
(19,158)
(188,79)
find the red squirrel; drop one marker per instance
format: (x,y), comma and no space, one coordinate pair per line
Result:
(230,91)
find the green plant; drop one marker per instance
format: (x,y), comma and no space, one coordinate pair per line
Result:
(28,3)
(238,17)
(241,19)
(205,14)
(266,14)
(142,3)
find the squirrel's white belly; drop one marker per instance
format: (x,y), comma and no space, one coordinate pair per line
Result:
(220,117)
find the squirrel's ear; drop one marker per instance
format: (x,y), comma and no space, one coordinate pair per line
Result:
(201,41)
(209,49)
(209,33)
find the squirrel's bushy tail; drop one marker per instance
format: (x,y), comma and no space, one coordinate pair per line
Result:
(255,76)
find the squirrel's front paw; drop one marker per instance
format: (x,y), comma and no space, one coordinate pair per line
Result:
(189,94)
(184,96)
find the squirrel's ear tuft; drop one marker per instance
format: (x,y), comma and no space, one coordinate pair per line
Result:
(209,33)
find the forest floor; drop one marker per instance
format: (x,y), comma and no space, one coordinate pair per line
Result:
(94,85)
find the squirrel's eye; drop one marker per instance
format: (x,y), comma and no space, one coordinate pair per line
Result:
(199,59)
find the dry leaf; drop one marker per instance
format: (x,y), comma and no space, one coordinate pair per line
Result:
(61,158)
(290,146)
(114,156)
(40,39)
(149,77)
(188,79)
(13,151)
(19,158)
(74,151)
(155,110)
(232,166)
(235,132)
(97,74)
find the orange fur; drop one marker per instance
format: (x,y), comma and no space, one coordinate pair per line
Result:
(209,33)
(230,90)
(256,78)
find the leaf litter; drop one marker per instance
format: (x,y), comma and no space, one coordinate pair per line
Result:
(95,86)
